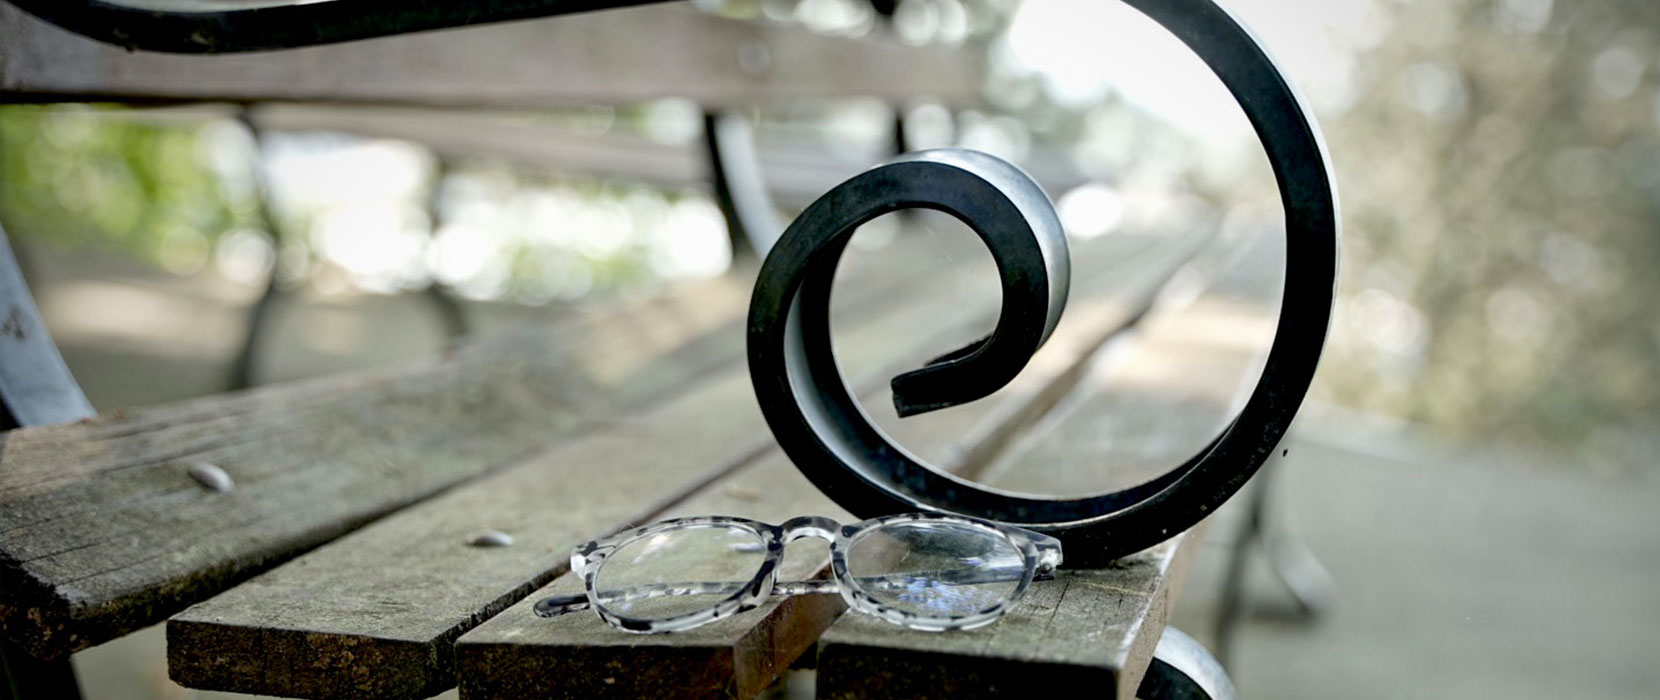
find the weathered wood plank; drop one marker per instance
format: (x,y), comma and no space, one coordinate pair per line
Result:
(794,165)
(582,657)
(648,463)
(519,655)
(102,530)
(1087,632)
(372,614)
(591,486)
(610,57)
(797,172)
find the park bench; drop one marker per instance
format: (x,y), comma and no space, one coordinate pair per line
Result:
(384,534)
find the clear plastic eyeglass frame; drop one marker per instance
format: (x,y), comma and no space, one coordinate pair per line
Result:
(1040,555)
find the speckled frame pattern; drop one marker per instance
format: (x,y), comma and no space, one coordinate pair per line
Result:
(1040,554)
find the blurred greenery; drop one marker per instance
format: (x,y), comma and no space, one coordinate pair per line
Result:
(71,177)
(1501,182)
(170,188)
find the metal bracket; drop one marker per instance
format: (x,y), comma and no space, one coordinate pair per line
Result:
(1296,568)
(1183,670)
(36,387)
(735,169)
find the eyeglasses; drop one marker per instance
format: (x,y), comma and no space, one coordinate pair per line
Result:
(923,571)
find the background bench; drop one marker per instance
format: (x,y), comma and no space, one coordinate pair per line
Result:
(383,534)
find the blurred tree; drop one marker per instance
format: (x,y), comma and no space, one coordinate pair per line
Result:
(72,175)
(1500,173)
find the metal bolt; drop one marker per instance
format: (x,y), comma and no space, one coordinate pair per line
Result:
(493,538)
(211,477)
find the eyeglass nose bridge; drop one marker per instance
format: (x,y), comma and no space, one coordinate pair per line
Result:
(809,526)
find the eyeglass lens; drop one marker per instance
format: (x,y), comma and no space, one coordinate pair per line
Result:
(679,571)
(935,569)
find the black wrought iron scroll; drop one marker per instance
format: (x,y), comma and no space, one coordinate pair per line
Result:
(820,425)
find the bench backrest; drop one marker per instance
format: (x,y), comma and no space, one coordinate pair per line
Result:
(613,57)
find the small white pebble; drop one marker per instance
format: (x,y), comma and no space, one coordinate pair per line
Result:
(493,538)
(211,477)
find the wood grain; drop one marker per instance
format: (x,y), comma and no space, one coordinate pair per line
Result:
(595,486)
(611,57)
(795,173)
(583,657)
(351,605)
(1083,634)
(796,168)
(103,530)
(519,655)
(795,165)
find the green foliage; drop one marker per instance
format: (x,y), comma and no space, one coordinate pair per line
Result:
(1501,184)
(73,175)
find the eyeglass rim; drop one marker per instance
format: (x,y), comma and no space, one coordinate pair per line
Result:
(1037,550)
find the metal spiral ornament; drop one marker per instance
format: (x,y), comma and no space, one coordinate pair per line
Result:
(820,425)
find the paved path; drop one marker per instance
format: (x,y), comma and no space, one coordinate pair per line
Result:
(1457,575)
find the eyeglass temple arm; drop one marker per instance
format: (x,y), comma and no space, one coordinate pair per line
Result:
(558,605)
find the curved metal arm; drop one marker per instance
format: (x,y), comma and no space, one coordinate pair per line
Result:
(822,428)
(36,387)
(740,189)
(1183,670)
(790,358)
(232,26)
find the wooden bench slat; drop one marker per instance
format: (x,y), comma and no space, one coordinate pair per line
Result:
(1088,632)
(795,167)
(371,614)
(580,656)
(103,531)
(519,655)
(611,57)
(795,170)
(634,486)
(646,465)
(795,175)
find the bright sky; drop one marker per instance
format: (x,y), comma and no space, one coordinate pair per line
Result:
(1086,48)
